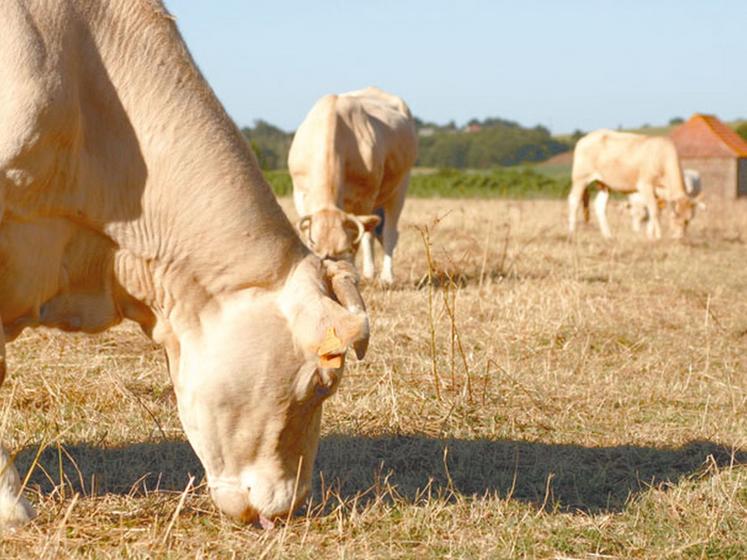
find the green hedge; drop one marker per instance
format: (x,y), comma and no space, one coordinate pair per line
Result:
(280,182)
(519,182)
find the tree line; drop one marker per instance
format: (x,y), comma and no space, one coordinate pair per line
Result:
(485,144)
(480,144)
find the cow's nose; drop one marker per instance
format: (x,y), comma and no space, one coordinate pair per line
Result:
(234,502)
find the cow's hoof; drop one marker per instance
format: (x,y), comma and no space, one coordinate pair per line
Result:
(14,511)
(386,281)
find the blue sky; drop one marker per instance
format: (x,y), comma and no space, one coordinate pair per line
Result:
(564,64)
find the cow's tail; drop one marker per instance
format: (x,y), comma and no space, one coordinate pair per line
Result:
(585,203)
(379,231)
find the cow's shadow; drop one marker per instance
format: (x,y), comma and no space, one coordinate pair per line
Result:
(570,477)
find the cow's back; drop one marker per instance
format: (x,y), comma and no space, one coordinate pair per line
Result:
(352,151)
(621,160)
(379,144)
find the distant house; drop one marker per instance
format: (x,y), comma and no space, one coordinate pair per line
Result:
(473,127)
(718,153)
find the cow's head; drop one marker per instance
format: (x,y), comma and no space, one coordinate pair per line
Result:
(334,234)
(251,378)
(683,212)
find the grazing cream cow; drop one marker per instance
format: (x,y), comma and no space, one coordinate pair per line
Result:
(637,205)
(628,163)
(351,157)
(126,192)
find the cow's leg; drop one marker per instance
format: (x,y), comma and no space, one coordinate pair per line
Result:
(600,207)
(367,246)
(14,508)
(640,215)
(635,215)
(653,228)
(2,353)
(635,220)
(575,198)
(39,103)
(390,234)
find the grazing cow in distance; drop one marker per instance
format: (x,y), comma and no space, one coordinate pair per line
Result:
(350,164)
(629,163)
(126,192)
(637,205)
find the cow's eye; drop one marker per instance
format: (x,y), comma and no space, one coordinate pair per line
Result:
(325,381)
(318,384)
(320,389)
(314,391)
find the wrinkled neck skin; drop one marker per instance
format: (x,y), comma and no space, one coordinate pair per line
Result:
(208,224)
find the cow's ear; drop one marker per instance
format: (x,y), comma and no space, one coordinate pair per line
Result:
(369,221)
(349,330)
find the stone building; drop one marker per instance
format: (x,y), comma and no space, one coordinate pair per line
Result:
(718,153)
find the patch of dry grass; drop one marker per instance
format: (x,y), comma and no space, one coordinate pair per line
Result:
(583,399)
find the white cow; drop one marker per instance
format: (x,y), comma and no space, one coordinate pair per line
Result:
(126,192)
(628,163)
(637,205)
(351,157)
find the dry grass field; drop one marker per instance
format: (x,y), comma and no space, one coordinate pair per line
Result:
(523,397)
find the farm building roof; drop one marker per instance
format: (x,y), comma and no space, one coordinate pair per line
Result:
(706,136)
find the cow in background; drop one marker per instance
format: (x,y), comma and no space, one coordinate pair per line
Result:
(629,163)
(637,206)
(350,163)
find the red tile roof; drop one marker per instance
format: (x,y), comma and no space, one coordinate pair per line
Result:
(706,136)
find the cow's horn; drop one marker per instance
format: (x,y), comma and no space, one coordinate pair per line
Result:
(343,280)
(302,223)
(359,225)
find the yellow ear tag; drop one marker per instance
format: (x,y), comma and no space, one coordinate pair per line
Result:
(331,362)
(330,351)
